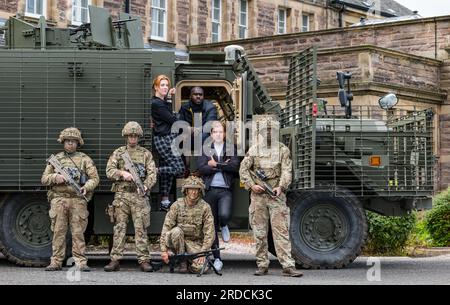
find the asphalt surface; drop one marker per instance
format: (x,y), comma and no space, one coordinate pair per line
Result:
(238,270)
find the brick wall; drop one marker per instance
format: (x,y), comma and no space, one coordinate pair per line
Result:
(182,22)
(367,64)
(413,37)
(266,18)
(444,127)
(9,6)
(63,15)
(114,7)
(203,17)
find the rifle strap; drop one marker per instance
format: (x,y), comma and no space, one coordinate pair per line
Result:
(67,155)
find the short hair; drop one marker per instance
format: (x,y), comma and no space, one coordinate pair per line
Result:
(192,89)
(215,124)
(158,79)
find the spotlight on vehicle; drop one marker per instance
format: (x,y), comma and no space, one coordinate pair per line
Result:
(388,101)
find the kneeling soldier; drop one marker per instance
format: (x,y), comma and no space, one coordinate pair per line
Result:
(67,206)
(129,199)
(189,225)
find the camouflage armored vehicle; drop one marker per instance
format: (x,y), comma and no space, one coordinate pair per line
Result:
(98,76)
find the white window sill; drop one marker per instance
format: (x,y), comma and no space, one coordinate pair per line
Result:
(37,16)
(160,38)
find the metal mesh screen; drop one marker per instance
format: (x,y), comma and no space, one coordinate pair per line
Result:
(376,152)
(42,93)
(301,94)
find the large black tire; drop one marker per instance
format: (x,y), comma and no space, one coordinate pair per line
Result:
(327,231)
(25,235)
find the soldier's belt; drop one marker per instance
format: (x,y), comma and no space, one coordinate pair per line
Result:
(125,188)
(66,195)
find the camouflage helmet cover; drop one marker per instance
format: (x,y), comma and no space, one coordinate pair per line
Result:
(264,121)
(193,182)
(71,133)
(132,127)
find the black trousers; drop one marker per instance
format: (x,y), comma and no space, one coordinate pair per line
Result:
(220,200)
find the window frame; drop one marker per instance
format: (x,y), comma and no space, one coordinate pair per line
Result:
(74,22)
(308,23)
(215,21)
(284,28)
(243,26)
(2,32)
(164,23)
(34,15)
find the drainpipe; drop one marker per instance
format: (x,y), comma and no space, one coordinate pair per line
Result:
(341,11)
(435,39)
(127,6)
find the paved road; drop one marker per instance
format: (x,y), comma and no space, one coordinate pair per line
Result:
(238,269)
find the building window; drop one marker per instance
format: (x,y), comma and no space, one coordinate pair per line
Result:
(36,8)
(243,19)
(2,32)
(159,19)
(305,23)
(216,13)
(281,21)
(80,11)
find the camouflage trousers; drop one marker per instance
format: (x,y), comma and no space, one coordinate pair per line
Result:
(124,205)
(64,212)
(178,244)
(263,211)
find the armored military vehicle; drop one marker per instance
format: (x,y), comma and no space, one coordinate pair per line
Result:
(98,76)
(350,158)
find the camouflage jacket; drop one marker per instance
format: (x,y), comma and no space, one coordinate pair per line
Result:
(143,160)
(275,162)
(197,223)
(73,163)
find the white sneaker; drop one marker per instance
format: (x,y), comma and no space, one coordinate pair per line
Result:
(218,264)
(225,234)
(165,205)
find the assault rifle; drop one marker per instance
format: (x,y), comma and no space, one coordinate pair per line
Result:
(260,179)
(131,168)
(59,169)
(176,259)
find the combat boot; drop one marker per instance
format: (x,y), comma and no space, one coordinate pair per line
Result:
(261,271)
(53,267)
(84,268)
(146,267)
(112,266)
(292,272)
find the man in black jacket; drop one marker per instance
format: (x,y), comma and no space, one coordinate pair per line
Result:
(198,108)
(218,168)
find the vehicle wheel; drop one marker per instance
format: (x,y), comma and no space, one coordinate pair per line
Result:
(25,235)
(327,231)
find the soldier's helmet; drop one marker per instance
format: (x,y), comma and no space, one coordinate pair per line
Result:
(193,182)
(264,121)
(132,127)
(71,133)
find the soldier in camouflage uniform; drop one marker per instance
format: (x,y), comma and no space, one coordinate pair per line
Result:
(273,158)
(189,225)
(66,207)
(127,200)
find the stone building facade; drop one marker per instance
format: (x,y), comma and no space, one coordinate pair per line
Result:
(409,58)
(179,23)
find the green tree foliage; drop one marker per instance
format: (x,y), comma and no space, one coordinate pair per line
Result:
(437,221)
(388,235)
